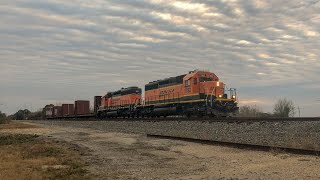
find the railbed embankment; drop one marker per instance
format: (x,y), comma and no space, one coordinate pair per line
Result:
(303,135)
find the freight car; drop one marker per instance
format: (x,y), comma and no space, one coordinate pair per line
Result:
(48,111)
(198,93)
(57,111)
(80,109)
(67,110)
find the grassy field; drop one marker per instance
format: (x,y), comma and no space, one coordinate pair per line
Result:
(25,156)
(4,121)
(15,126)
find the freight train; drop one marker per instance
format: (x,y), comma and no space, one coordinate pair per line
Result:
(197,93)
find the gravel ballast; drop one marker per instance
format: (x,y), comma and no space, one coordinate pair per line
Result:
(289,134)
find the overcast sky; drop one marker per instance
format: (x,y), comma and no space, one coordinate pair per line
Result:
(57,51)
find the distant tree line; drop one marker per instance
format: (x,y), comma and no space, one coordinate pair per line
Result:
(3,118)
(27,115)
(283,108)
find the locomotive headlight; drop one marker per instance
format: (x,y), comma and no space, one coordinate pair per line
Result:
(220,96)
(218,83)
(233,97)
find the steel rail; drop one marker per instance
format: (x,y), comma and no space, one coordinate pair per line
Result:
(239,145)
(203,119)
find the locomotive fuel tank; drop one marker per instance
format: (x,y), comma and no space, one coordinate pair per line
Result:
(162,111)
(112,114)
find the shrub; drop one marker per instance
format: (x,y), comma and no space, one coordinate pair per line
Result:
(251,111)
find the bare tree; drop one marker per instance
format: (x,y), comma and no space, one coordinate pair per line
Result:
(284,108)
(250,111)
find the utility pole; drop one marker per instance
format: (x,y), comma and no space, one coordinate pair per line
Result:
(299,110)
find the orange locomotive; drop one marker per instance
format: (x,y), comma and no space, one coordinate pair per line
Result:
(197,93)
(120,103)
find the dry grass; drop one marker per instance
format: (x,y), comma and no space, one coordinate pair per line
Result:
(30,157)
(16,125)
(4,121)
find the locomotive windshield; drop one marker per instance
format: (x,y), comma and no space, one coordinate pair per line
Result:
(205,79)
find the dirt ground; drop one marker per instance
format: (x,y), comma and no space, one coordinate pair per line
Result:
(29,156)
(112,155)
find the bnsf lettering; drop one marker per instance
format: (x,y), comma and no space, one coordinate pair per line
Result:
(166,92)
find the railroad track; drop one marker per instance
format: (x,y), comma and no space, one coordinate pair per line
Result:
(204,119)
(221,119)
(240,145)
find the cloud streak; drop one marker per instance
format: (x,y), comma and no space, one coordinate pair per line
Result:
(76,49)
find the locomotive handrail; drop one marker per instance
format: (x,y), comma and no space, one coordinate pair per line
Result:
(211,103)
(214,88)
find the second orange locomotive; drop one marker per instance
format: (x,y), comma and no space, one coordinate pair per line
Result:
(197,93)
